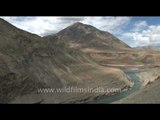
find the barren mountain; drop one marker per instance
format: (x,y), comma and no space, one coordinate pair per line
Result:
(29,62)
(80,36)
(102,47)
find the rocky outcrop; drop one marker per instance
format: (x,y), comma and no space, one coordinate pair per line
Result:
(149,76)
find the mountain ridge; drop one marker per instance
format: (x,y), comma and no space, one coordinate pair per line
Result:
(29,62)
(87,36)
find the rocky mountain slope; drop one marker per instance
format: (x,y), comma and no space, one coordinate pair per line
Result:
(102,46)
(29,62)
(82,36)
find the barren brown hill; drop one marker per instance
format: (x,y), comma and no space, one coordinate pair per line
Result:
(81,35)
(29,62)
(102,46)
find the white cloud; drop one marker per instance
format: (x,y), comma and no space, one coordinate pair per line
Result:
(140,25)
(140,33)
(37,25)
(110,24)
(47,25)
(153,33)
(148,36)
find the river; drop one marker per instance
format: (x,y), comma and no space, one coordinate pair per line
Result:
(137,84)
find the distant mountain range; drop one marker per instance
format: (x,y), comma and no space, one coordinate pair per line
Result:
(150,47)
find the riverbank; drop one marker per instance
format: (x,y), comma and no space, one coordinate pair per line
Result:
(149,75)
(104,77)
(150,90)
(136,86)
(147,95)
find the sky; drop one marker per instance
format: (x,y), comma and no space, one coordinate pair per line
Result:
(135,31)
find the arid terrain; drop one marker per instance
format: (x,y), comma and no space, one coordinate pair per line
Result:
(77,56)
(149,92)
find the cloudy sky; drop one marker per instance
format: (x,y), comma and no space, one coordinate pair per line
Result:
(135,31)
